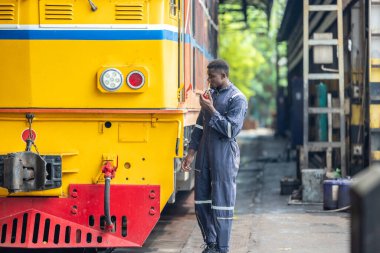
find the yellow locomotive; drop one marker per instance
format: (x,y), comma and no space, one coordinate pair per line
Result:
(97,99)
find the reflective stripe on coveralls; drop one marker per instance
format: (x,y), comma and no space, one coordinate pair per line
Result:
(198,126)
(223,207)
(217,163)
(198,202)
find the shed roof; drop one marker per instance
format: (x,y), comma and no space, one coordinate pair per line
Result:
(294,12)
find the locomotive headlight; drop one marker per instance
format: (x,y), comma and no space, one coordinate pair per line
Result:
(111,79)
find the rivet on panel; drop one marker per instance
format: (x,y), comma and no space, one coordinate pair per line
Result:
(74,193)
(74,209)
(152,195)
(152,211)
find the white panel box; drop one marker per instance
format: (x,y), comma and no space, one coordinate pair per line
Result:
(323,54)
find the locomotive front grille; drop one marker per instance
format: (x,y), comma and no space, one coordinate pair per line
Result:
(129,12)
(48,230)
(78,220)
(59,12)
(7,12)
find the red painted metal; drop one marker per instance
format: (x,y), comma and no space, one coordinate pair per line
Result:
(77,221)
(26,135)
(109,170)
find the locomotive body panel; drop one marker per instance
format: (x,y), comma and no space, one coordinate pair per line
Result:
(108,88)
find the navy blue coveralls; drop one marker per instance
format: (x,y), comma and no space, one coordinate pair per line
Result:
(217,164)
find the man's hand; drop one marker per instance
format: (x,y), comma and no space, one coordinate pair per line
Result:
(207,104)
(188,160)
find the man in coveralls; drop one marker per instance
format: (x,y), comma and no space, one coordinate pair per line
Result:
(218,157)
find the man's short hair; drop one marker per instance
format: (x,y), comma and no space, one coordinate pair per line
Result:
(219,64)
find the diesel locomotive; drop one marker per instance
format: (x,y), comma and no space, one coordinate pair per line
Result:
(97,100)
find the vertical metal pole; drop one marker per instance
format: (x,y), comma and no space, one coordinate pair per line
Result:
(341,89)
(369,54)
(306,83)
(329,150)
(277,66)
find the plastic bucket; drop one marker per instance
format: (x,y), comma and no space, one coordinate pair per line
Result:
(344,193)
(330,194)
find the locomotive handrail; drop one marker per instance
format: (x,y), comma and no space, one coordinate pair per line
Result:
(95,110)
(179,123)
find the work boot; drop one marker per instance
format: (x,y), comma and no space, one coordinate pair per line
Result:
(210,248)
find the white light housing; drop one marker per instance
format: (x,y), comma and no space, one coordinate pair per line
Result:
(111,79)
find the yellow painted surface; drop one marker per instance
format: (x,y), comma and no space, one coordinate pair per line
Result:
(375,155)
(375,61)
(375,71)
(374,111)
(71,12)
(375,108)
(356,115)
(83,145)
(36,74)
(65,74)
(79,12)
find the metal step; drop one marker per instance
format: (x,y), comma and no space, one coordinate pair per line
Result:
(324,76)
(333,42)
(320,110)
(374,98)
(322,146)
(323,7)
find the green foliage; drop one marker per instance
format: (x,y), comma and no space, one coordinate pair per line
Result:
(236,48)
(250,49)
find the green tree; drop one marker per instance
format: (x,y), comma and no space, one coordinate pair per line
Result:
(237,49)
(249,45)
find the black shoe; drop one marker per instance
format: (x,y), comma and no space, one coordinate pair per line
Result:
(210,248)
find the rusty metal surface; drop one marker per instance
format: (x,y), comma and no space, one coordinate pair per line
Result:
(24,171)
(28,171)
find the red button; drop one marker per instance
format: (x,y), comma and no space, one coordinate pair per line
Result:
(25,135)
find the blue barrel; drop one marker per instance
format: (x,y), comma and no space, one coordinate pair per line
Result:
(330,194)
(344,193)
